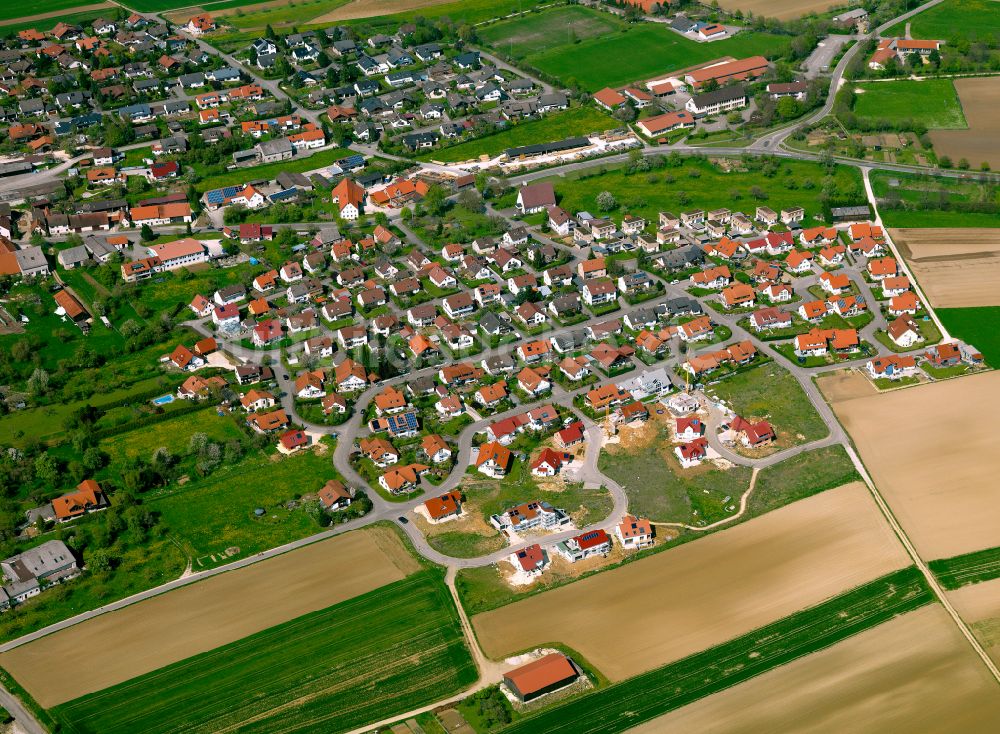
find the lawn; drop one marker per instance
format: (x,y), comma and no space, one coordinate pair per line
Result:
(954,20)
(271,170)
(538,32)
(619,55)
(970,568)
(932,102)
(700,184)
(770,392)
(659,489)
(208,515)
(979,326)
(643,698)
(382,653)
(553,127)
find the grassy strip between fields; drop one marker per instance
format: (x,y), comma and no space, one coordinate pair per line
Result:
(325,671)
(645,697)
(969,568)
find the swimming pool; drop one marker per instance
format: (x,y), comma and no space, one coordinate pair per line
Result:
(163,400)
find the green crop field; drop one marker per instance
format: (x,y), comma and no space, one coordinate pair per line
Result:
(979,326)
(553,127)
(24,9)
(161,6)
(47,24)
(771,392)
(933,102)
(954,20)
(608,52)
(698,184)
(970,568)
(637,700)
(382,653)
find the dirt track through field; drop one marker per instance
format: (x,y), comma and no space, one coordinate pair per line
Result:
(914,673)
(931,451)
(57,13)
(779,9)
(121,645)
(955,267)
(690,598)
(980,98)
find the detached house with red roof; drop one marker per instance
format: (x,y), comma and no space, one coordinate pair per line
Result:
(591,543)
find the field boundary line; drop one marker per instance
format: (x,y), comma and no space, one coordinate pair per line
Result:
(931,579)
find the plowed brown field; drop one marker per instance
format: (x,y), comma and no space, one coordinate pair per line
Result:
(980,98)
(955,267)
(122,645)
(914,673)
(678,602)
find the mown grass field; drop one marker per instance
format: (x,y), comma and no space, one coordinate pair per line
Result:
(970,568)
(643,698)
(539,32)
(382,653)
(699,184)
(770,392)
(553,127)
(953,20)
(979,326)
(617,54)
(933,102)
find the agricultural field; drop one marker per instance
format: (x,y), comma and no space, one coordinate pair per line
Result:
(956,268)
(700,184)
(208,515)
(25,12)
(553,127)
(971,568)
(642,699)
(537,32)
(785,560)
(979,605)
(780,10)
(948,424)
(908,661)
(909,200)
(769,392)
(409,648)
(640,51)
(977,144)
(173,434)
(932,102)
(978,326)
(202,617)
(954,20)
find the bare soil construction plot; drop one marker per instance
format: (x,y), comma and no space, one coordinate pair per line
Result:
(931,451)
(956,267)
(708,591)
(779,9)
(121,645)
(979,606)
(980,99)
(914,673)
